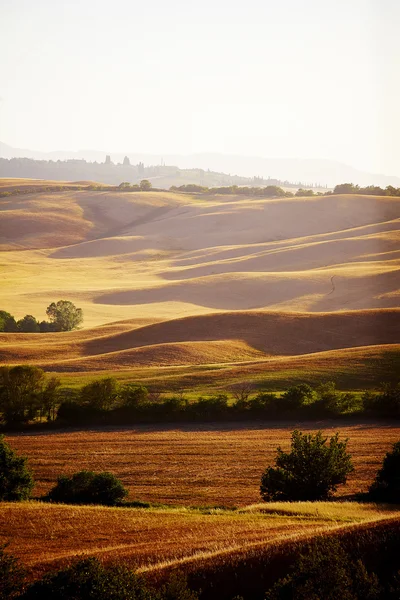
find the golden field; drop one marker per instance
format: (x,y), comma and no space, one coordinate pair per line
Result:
(202,464)
(185,287)
(44,536)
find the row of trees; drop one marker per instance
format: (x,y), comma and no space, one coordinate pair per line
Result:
(27,394)
(370,190)
(269,191)
(63,316)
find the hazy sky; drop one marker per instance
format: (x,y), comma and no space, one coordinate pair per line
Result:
(272,78)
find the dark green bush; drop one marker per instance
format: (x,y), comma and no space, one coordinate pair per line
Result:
(312,470)
(86,487)
(88,579)
(16,481)
(326,572)
(12,576)
(386,487)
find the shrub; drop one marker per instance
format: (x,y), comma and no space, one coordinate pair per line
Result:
(296,396)
(326,572)
(312,470)
(386,487)
(86,487)
(21,388)
(7,322)
(88,579)
(28,325)
(16,481)
(386,403)
(100,393)
(12,575)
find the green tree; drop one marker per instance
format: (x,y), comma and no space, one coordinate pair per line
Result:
(134,396)
(312,469)
(16,480)
(20,392)
(28,325)
(86,487)
(386,487)
(346,188)
(100,394)
(7,322)
(296,396)
(65,315)
(145,185)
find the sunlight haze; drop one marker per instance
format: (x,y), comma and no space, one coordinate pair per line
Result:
(258,78)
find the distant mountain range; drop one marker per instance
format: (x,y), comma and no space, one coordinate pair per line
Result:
(310,172)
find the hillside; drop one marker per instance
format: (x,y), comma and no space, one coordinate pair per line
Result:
(170,279)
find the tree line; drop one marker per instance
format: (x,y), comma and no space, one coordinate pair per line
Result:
(63,316)
(28,396)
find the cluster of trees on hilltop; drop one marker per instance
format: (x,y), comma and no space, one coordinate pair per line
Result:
(63,316)
(26,394)
(269,191)
(111,173)
(370,190)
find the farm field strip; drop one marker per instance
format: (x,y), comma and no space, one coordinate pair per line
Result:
(200,464)
(45,535)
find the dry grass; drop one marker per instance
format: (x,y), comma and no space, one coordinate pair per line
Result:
(193,465)
(206,339)
(162,254)
(44,535)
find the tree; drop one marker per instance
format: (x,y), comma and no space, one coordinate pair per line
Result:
(312,470)
(296,396)
(346,188)
(386,487)
(100,393)
(86,487)
(7,322)
(127,162)
(16,480)
(28,325)
(65,315)
(145,185)
(20,392)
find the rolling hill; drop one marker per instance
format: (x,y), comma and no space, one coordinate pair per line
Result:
(170,279)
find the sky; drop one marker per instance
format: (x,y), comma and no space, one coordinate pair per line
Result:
(269,78)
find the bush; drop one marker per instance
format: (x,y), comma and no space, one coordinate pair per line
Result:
(296,396)
(86,487)
(384,404)
(312,470)
(386,487)
(100,394)
(7,322)
(326,572)
(21,389)
(12,575)
(88,579)
(16,481)
(28,325)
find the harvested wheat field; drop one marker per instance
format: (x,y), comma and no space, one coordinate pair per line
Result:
(44,536)
(193,465)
